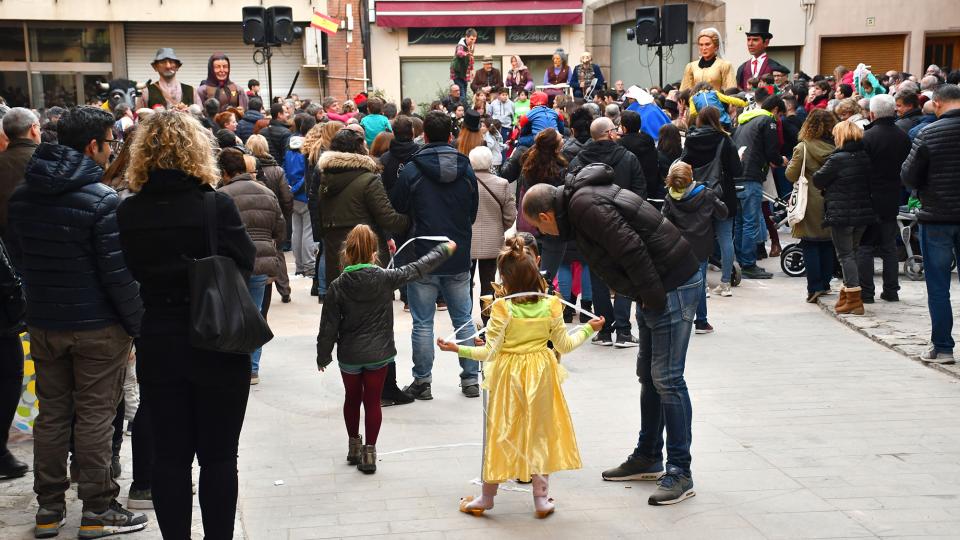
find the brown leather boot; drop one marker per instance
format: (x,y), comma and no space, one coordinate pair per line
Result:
(854,304)
(841,301)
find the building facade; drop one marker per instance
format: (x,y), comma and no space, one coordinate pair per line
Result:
(55,53)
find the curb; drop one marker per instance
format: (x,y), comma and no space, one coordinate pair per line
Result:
(952,370)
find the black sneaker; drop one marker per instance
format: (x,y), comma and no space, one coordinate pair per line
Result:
(635,468)
(115,520)
(604,340)
(703,327)
(140,499)
(394,396)
(625,342)
(673,487)
(419,390)
(755,272)
(471,390)
(866,299)
(49,521)
(890,296)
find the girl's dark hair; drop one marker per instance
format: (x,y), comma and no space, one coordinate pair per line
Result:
(348,141)
(303,122)
(668,141)
(544,162)
(518,269)
(710,116)
(231,162)
(360,246)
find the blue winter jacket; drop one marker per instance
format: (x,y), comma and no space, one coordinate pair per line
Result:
(66,244)
(437,188)
(538,119)
(294,166)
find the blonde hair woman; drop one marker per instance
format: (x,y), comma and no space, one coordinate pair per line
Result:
(186,389)
(709,67)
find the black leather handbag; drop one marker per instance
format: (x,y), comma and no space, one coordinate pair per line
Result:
(223,316)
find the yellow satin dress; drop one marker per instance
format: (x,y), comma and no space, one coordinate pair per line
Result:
(528,426)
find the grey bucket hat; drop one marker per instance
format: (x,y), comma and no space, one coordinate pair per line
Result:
(166,53)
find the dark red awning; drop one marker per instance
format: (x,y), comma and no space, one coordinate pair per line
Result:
(418,14)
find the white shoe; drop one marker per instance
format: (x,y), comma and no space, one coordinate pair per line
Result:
(932,356)
(723,289)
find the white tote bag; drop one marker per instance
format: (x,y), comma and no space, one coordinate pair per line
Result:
(797,205)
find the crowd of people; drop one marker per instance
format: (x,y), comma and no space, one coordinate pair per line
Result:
(565,199)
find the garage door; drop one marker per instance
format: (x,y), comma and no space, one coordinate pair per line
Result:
(882,53)
(194,43)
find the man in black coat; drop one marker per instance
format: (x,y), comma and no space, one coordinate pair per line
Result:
(604,148)
(278,132)
(642,255)
(932,168)
(640,144)
(83,308)
(888,147)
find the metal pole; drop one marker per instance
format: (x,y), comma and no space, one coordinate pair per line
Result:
(269,55)
(660,58)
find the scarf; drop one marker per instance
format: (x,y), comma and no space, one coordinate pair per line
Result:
(518,77)
(585,74)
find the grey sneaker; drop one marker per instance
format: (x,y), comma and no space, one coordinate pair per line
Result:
(755,272)
(114,520)
(419,390)
(603,340)
(140,499)
(635,468)
(471,390)
(49,521)
(933,356)
(673,487)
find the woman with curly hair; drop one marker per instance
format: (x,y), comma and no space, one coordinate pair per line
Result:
(197,398)
(316,142)
(816,145)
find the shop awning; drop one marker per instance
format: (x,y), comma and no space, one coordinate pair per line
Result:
(435,13)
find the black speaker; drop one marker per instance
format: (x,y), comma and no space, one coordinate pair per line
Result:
(254,25)
(280,25)
(648,26)
(674,24)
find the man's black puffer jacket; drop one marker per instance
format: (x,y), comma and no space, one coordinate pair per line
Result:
(627,172)
(624,239)
(844,179)
(933,169)
(358,310)
(66,245)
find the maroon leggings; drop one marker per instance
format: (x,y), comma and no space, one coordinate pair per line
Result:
(364,388)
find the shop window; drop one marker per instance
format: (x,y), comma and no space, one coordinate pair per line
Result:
(11,44)
(424,80)
(89,44)
(13,88)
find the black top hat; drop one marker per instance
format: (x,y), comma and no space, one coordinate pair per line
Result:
(471,120)
(760,27)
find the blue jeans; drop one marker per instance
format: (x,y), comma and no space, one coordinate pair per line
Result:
(422,297)
(617,315)
(321,272)
(256,286)
(664,401)
(940,245)
(724,231)
(749,223)
(565,282)
(702,305)
(818,256)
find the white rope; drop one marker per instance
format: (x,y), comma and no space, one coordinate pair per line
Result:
(407,243)
(452,338)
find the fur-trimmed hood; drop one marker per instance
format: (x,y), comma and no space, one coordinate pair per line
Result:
(345,161)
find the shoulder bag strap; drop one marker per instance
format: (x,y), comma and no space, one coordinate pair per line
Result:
(210,221)
(803,164)
(490,191)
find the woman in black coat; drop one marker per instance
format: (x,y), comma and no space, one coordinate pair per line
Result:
(844,179)
(197,398)
(702,147)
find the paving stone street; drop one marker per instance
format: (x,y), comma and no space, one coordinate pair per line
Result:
(803,428)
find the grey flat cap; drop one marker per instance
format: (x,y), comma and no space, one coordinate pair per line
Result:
(166,53)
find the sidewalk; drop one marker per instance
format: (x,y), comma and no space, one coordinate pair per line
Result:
(903,326)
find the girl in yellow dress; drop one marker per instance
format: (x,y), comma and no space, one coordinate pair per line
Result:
(529,433)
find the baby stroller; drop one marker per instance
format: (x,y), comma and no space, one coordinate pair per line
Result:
(911,257)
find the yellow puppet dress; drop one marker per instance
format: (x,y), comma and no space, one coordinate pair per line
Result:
(528,425)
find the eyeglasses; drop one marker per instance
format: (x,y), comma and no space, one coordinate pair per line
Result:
(115,145)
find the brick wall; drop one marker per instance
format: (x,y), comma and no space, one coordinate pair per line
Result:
(343,64)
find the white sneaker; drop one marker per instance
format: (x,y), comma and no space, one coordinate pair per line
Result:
(932,356)
(723,289)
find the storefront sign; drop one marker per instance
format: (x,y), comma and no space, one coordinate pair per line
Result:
(448,35)
(533,34)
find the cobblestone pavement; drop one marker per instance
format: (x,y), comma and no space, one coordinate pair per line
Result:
(802,429)
(903,326)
